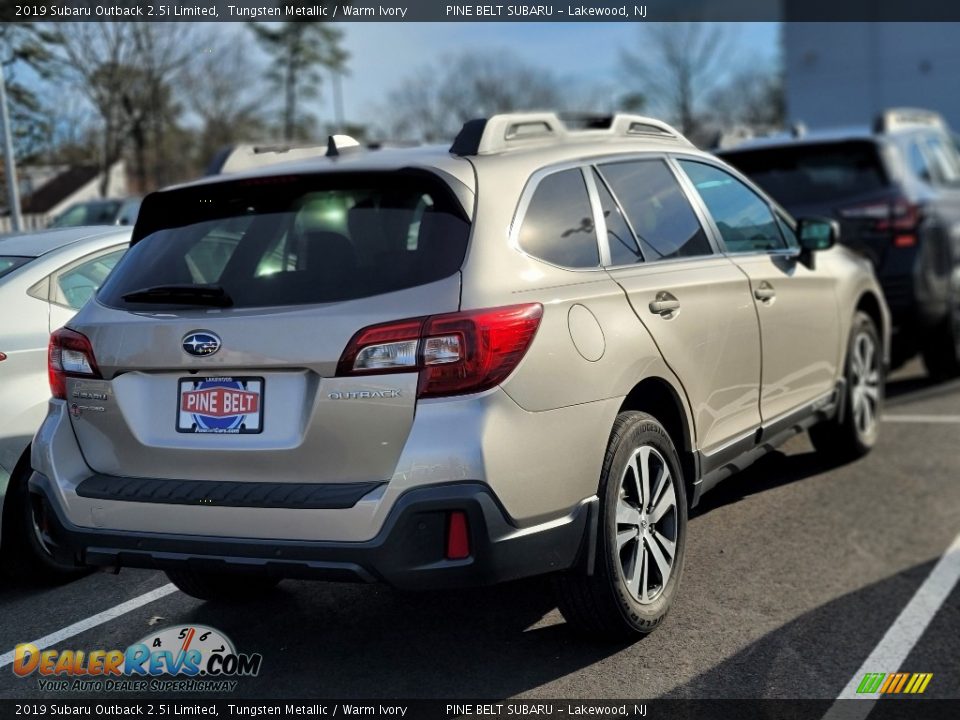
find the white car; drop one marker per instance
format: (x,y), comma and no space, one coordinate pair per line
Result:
(45,277)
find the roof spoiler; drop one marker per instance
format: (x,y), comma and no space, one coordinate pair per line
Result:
(903,118)
(485,136)
(246,157)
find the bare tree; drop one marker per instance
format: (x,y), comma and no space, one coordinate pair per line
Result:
(434,102)
(754,97)
(98,57)
(162,52)
(127,71)
(228,107)
(675,65)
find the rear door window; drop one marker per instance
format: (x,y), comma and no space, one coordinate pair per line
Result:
(657,208)
(744,219)
(558,225)
(295,240)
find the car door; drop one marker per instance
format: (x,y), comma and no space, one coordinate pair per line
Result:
(695,302)
(796,305)
(72,285)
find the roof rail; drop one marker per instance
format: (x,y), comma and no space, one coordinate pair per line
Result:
(902,118)
(511,130)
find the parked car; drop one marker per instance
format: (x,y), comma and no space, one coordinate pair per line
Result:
(45,277)
(896,192)
(106,211)
(527,353)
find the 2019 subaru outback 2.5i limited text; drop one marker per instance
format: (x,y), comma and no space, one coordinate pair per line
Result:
(528,353)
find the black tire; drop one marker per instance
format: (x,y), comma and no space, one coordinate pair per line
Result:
(221,587)
(602,604)
(941,350)
(847,438)
(23,554)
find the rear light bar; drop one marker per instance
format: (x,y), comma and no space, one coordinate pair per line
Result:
(899,216)
(456,353)
(69,354)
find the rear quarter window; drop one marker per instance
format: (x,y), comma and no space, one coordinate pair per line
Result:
(9,263)
(296,240)
(558,225)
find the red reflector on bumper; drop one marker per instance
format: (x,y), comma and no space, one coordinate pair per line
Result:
(458,536)
(905,241)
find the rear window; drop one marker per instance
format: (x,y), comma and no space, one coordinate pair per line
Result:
(813,173)
(294,240)
(9,263)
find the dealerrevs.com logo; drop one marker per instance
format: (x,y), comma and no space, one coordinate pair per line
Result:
(193,658)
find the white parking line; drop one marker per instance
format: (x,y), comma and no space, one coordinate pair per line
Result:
(946,419)
(94,620)
(900,638)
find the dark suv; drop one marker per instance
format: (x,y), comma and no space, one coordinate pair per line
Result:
(896,192)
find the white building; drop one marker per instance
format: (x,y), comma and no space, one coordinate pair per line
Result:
(845,73)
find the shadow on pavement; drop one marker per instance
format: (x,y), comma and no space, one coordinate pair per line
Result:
(820,651)
(371,642)
(771,471)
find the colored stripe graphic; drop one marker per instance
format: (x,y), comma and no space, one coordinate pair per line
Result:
(871,682)
(894,683)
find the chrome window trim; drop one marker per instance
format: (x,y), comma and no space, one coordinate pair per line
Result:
(599,222)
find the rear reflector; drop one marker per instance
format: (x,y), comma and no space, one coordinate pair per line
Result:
(458,536)
(3,356)
(905,241)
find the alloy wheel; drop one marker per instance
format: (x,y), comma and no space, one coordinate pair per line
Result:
(865,384)
(647,525)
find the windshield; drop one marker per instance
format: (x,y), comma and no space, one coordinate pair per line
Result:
(9,263)
(810,174)
(289,241)
(101,212)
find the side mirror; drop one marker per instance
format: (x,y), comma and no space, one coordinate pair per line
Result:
(818,234)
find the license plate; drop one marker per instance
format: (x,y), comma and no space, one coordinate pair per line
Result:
(220,405)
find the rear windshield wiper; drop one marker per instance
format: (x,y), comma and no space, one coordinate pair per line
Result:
(213,295)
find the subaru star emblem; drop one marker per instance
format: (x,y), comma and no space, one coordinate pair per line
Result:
(201,343)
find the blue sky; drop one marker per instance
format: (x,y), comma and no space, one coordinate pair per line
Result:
(382,54)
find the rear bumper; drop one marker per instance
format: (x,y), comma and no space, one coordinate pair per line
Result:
(408,552)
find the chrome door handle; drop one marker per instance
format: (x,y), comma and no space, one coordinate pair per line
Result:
(765,292)
(664,304)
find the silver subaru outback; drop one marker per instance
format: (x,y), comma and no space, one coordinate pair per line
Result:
(529,353)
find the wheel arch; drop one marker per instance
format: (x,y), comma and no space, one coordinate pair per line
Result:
(872,305)
(658,397)
(5,484)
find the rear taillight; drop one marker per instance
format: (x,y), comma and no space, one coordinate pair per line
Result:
(69,354)
(456,353)
(899,217)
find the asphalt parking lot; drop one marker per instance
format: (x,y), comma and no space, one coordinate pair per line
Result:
(795,572)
